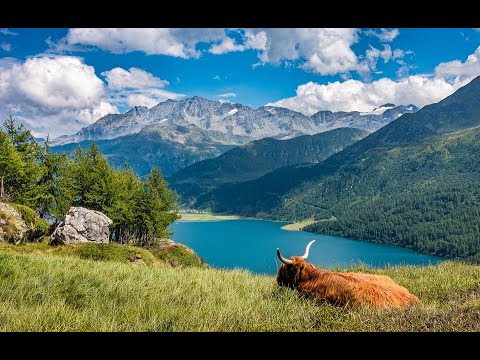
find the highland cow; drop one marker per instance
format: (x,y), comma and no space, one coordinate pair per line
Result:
(341,288)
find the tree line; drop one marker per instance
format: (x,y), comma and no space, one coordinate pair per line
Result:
(50,183)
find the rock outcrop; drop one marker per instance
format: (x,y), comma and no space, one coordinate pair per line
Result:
(12,226)
(82,225)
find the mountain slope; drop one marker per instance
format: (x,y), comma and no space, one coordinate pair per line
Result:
(414,183)
(424,196)
(171,147)
(259,157)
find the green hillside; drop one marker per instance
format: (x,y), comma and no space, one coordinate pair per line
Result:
(414,183)
(424,197)
(53,293)
(258,158)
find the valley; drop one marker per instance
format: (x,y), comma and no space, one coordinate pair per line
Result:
(258,158)
(410,181)
(240,179)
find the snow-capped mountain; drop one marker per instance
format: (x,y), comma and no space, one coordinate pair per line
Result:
(370,121)
(234,120)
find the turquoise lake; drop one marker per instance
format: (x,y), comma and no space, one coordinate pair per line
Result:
(252,244)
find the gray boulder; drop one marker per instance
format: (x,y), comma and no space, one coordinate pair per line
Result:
(82,225)
(12,226)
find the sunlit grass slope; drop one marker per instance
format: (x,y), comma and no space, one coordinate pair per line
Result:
(47,292)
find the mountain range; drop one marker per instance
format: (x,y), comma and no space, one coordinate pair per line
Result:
(175,134)
(233,120)
(258,158)
(414,182)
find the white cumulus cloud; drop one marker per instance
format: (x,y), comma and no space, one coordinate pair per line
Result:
(226,45)
(134,78)
(355,95)
(136,87)
(458,71)
(65,121)
(58,95)
(323,51)
(144,97)
(52,94)
(153,41)
(373,54)
(254,40)
(50,83)
(384,35)
(352,95)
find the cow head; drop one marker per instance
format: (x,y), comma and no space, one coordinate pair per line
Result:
(293,270)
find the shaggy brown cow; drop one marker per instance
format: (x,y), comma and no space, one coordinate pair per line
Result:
(341,288)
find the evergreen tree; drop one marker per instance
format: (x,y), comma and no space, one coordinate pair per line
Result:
(57,193)
(22,139)
(161,204)
(93,179)
(11,167)
(28,189)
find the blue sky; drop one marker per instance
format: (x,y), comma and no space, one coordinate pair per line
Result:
(59,80)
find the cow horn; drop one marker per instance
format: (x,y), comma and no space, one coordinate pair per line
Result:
(282,259)
(307,250)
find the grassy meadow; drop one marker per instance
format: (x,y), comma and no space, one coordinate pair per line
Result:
(298,225)
(61,290)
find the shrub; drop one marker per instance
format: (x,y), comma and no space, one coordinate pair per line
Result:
(28,215)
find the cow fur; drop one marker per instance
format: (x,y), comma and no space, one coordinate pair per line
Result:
(344,288)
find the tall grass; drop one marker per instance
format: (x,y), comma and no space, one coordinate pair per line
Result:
(45,292)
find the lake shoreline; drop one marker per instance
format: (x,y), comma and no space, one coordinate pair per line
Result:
(251,244)
(207,216)
(289,226)
(200,217)
(297,226)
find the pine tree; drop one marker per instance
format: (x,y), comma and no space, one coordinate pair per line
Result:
(57,193)
(11,167)
(161,203)
(28,189)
